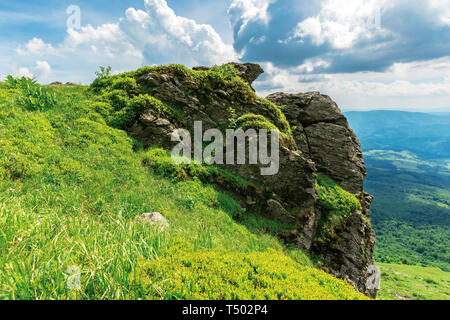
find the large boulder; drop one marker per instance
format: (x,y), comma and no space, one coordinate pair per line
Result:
(294,185)
(322,132)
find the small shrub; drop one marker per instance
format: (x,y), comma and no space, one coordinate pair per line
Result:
(19,83)
(253,121)
(32,96)
(103,72)
(337,205)
(126,84)
(223,275)
(161,163)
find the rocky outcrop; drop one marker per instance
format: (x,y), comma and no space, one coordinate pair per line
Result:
(322,132)
(213,109)
(321,142)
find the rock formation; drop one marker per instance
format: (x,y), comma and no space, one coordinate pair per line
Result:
(321,141)
(322,132)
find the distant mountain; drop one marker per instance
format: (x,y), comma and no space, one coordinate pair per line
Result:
(426,135)
(408,171)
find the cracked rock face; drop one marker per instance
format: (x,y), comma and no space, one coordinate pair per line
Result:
(322,132)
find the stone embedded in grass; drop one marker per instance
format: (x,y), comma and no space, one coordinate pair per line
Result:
(155,219)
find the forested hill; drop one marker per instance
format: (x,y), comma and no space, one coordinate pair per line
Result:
(426,135)
(408,160)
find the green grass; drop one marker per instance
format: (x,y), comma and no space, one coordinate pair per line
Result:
(71,190)
(403,282)
(337,206)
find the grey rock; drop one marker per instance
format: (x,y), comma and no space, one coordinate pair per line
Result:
(323,132)
(248,71)
(155,219)
(277,212)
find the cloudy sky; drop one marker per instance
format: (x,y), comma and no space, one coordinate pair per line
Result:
(365,54)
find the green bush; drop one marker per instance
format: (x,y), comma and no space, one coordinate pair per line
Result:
(253,121)
(222,275)
(19,83)
(32,95)
(337,205)
(126,84)
(161,163)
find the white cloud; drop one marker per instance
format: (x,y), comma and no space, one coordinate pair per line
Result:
(22,72)
(36,46)
(42,70)
(164,37)
(245,11)
(154,36)
(342,22)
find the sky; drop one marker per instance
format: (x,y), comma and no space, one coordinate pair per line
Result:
(365,54)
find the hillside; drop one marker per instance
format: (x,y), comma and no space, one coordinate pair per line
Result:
(74,184)
(407,159)
(403,282)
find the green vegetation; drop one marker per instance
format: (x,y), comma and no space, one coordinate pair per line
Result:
(402,282)
(34,96)
(253,121)
(72,188)
(406,157)
(221,275)
(119,91)
(337,206)
(410,217)
(161,162)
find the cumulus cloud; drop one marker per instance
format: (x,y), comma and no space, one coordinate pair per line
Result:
(164,37)
(351,35)
(342,23)
(42,70)
(22,72)
(242,12)
(154,36)
(35,46)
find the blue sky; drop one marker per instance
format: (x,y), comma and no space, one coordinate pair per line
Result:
(365,54)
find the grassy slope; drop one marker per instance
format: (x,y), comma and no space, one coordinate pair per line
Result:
(413,282)
(71,188)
